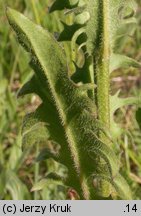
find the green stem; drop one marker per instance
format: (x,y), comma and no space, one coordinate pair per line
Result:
(103,81)
(14,66)
(36,15)
(103,84)
(126,154)
(36,173)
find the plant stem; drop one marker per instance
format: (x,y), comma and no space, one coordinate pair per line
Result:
(103,83)
(14,66)
(36,15)
(36,173)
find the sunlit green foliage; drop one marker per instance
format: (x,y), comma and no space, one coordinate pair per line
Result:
(43,135)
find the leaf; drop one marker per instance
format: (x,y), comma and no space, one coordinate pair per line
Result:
(54,176)
(138,117)
(2,184)
(16,188)
(119,185)
(45,183)
(40,185)
(64,4)
(72,110)
(81,74)
(54,192)
(122,188)
(15,150)
(115,103)
(46,154)
(29,87)
(33,132)
(68,32)
(120,61)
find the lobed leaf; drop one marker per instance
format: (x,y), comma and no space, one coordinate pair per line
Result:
(71,109)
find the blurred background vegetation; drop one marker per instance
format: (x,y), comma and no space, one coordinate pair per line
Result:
(19,174)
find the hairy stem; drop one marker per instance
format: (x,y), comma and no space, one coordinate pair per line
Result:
(102,74)
(103,70)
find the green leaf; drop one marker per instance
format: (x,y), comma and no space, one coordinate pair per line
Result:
(46,154)
(138,117)
(29,87)
(33,131)
(16,188)
(2,184)
(115,103)
(120,61)
(64,4)
(45,183)
(119,185)
(70,109)
(122,188)
(68,32)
